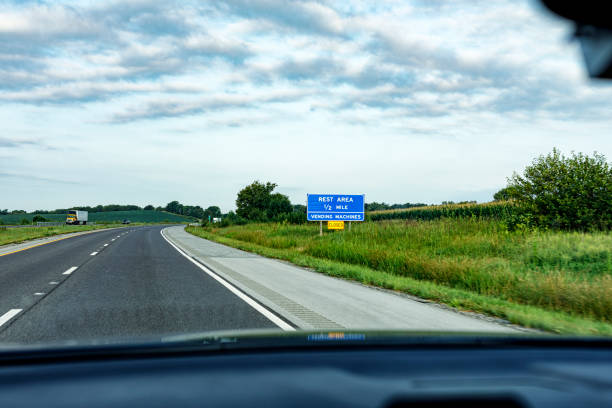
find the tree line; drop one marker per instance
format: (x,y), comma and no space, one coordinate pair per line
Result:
(174,207)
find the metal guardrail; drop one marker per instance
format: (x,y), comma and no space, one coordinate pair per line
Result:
(49,224)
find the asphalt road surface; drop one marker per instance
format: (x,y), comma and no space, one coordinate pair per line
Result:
(113,284)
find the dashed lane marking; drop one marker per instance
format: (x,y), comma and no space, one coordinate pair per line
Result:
(69,271)
(94,253)
(9,315)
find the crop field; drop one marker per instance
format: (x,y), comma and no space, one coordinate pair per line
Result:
(108,216)
(495,209)
(138,216)
(556,281)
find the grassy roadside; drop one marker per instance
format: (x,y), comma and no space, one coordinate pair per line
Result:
(559,282)
(16,235)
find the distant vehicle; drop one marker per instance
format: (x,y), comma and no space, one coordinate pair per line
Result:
(126,221)
(76,217)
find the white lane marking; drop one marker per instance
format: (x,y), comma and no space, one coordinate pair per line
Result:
(93,253)
(69,271)
(9,315)
(271,316)
(39,293)
(53,283)
(105,244)
(118,236)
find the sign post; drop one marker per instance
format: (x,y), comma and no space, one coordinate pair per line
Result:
(335,207)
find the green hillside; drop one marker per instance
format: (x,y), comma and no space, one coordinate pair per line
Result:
(133,216)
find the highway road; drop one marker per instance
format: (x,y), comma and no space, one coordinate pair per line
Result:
(126,283)
(113,284)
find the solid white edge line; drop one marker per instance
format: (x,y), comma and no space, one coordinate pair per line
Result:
(69,271)
(105,244)
(269,315)
(9,315)
(93,253)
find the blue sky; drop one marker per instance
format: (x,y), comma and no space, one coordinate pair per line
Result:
(150,101)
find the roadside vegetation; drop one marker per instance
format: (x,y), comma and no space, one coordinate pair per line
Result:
(500,210)
(540,255)
(556,281)
(16,235)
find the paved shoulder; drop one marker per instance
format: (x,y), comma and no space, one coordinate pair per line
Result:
(315,301)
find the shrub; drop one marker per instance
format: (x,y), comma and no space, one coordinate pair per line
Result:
(232,218)
(39,218)
(25,221)
(570,193)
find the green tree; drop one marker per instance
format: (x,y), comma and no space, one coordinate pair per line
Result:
(213,212)
(174,207)
(25,221)
(253,200)
(565,192)
(149,208)
(504,194)
(39,218)
(278,205)
(299,208)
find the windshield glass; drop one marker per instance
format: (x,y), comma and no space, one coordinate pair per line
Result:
(170,169)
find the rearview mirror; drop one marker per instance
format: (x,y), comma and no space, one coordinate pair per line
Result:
(593,31)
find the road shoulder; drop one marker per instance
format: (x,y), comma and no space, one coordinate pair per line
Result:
(311,300)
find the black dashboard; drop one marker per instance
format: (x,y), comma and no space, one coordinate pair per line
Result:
(435,375)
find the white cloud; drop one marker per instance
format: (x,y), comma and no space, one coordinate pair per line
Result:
(447,97)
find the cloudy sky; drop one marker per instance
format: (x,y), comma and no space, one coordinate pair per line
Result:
(405,101)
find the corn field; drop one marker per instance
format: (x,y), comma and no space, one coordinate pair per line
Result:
(492,210)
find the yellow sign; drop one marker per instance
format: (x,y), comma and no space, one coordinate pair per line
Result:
(335,225)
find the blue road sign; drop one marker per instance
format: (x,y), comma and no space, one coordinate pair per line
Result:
(335,207)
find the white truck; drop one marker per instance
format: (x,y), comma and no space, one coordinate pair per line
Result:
(76,217)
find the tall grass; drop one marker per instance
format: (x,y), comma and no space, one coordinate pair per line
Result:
(557,271)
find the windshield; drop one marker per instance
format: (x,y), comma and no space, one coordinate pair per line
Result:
(170,169)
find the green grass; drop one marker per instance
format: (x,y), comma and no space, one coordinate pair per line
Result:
(16,235)
(108,216)
(557,281)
